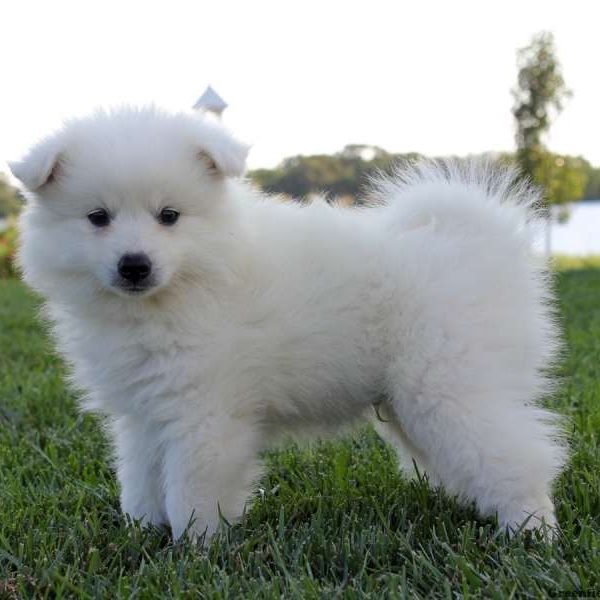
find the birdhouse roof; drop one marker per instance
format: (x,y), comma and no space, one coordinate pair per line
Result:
(211,101)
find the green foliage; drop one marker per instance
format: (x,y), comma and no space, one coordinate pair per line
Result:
(592,190)
(8,248)
(10,201)
(332,520)
(563,178)
(341,175)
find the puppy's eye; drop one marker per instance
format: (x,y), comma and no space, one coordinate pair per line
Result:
(168,216)
(99,217)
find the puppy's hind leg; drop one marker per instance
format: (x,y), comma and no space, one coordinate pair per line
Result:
(484,445)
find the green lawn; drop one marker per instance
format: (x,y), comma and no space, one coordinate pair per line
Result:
(333,520)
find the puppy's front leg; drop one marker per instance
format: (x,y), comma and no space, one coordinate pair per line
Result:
(139,459)
(209,470)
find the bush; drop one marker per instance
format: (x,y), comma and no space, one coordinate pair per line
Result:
(8,249)
(11,200)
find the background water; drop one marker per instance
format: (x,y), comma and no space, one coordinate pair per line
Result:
(580,235)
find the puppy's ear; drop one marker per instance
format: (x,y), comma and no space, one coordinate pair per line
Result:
(221,153)
(40,166)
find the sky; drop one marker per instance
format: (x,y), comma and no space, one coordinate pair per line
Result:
(300,77)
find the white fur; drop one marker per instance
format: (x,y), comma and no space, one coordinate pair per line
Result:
(273,318)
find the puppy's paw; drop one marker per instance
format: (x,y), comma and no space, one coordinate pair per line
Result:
(196,532)
(147,513)
(536,515)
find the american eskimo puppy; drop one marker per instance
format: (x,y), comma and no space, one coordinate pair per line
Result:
(207,320)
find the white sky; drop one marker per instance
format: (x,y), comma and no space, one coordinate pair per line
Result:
(300,77)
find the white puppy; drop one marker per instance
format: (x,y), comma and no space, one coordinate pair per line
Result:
(207,320)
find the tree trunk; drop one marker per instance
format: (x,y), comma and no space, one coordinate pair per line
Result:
(548,232)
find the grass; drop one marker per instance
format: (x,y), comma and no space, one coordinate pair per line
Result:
(565,262)
(333,520)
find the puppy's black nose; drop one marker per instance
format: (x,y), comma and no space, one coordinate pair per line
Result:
(135,267)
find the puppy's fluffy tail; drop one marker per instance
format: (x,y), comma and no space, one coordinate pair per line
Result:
(471,199)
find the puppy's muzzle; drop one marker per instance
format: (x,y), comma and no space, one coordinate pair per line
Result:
(135,268)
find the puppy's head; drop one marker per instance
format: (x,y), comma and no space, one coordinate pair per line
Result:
(126,202)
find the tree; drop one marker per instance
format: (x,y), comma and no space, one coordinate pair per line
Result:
(539,97)
(540,91)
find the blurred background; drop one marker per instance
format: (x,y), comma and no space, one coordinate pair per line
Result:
(327,92)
